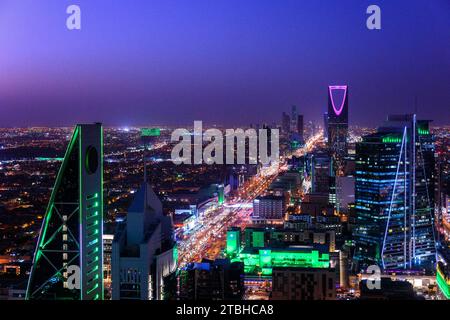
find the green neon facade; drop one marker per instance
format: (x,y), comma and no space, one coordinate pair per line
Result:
(258,239)
(423,132)
(392,139)
(233,241)
(443,282)
(262,260)
(72,229)
(423,128)
(221,195)
(150,132)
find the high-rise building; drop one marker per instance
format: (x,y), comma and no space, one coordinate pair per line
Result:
(322,174)
(300,128)
(345,193)
(286,123)
(233,240)
(143,251)
(294,118)
(220,194)
(338,120)
(325,126)
(68,263)
(394,201)
(268,210)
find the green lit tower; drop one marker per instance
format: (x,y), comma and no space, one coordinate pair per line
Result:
(233,241)
(69,255)
(220,194)
(394,196)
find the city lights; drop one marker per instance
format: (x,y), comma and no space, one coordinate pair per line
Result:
(213,158)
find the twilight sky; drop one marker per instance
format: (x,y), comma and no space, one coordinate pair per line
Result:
(138,62)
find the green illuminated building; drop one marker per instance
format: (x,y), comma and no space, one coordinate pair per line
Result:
(263,260)
(150,132)
(255,237)
(233,241)
(258,260)
(258,239)
(69,256)
(443,279)
(221,194)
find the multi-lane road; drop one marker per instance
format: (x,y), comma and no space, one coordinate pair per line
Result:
(208,238)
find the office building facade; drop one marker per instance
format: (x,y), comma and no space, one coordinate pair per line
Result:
(268,210)
(143,250)
(394,195)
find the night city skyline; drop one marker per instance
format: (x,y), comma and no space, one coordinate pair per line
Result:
(174,62)
(224,157)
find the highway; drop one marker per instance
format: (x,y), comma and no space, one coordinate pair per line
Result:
(208,238)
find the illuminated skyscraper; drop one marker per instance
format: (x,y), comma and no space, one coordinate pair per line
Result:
(233,241)
(394,195)
(300,128)
(338,120)
(69,256)
(220,194)
(321,173)
(294,119)
(143,250)
(285,123)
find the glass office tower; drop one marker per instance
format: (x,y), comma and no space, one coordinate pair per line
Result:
(394,196)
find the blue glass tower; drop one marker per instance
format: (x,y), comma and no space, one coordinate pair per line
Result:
(394,196)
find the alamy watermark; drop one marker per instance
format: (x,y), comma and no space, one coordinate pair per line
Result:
(374,20)
(189,149)
(73,21)
(374,278)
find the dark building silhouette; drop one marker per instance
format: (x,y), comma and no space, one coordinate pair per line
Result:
(389,290)
(212,280)
(286,123)
(303,284)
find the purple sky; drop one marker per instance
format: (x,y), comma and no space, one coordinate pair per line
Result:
(233,62)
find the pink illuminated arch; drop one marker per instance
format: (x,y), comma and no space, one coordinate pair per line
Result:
(333,88)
